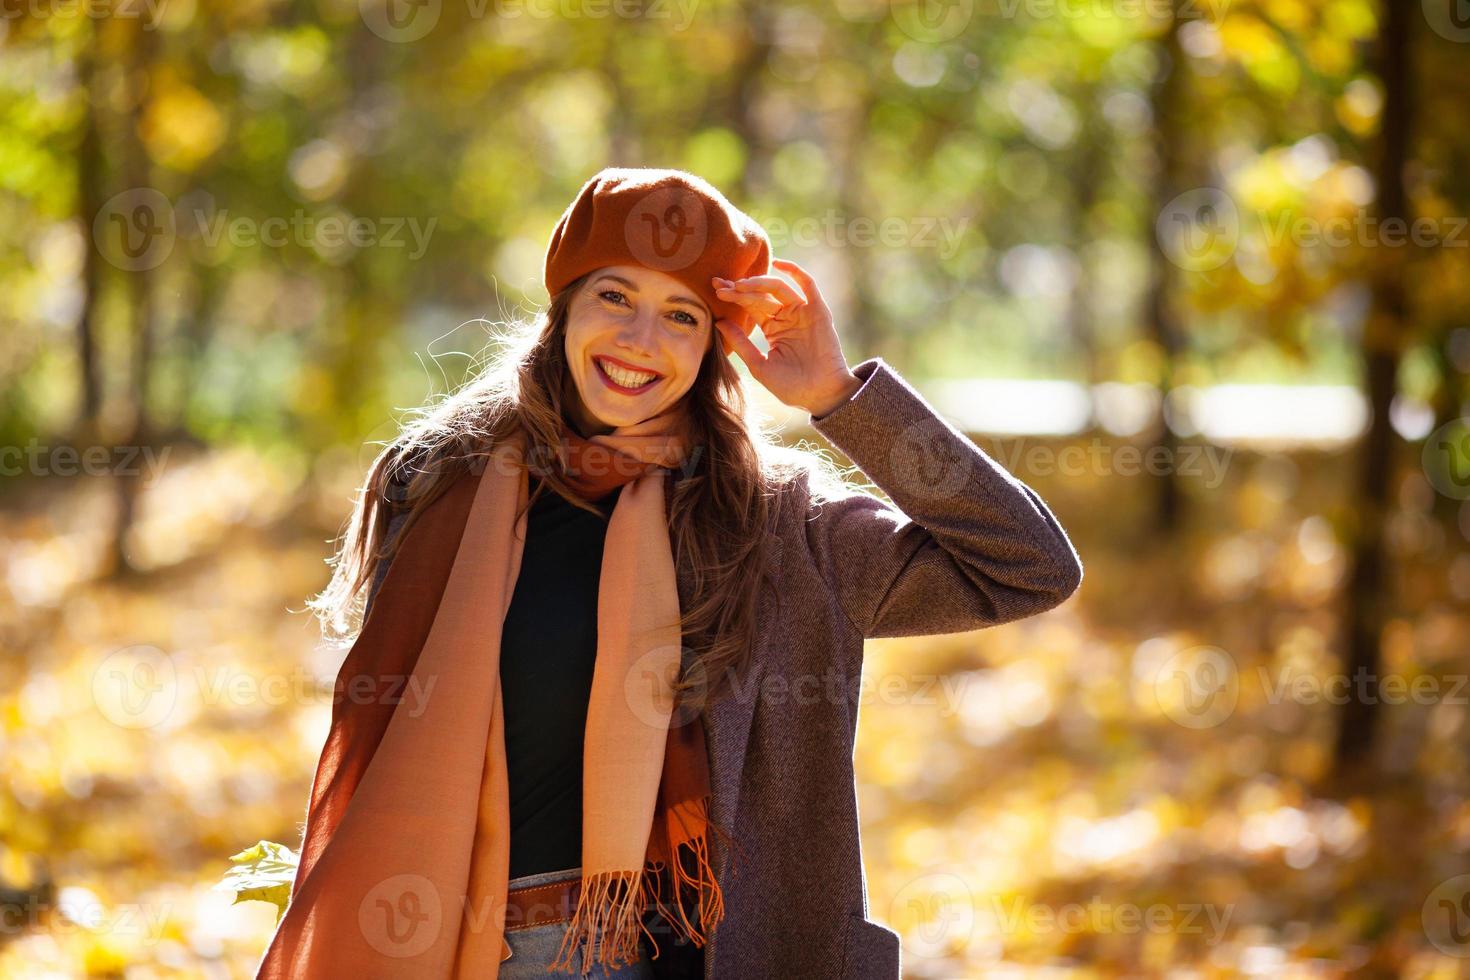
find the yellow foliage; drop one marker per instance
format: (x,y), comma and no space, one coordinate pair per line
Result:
(180,126)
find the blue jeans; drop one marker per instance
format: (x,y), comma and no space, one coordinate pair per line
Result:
(533,949)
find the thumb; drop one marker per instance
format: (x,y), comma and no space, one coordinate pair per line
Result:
(741,344)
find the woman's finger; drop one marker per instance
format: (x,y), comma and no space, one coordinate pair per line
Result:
(741,343)
(774,285)
(807,283)
(763,303)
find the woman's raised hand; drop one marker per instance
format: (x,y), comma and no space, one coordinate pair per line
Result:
(804,367)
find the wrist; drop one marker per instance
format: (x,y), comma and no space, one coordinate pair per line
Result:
(837,396)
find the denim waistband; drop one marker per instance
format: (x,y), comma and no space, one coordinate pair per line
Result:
(545,878)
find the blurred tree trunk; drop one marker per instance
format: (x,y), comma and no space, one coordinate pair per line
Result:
(361,317)
(1448,401)
(861,329)
(622,143)
(1090,172)
(1168,99)
(191,341)
(91,177)
(137,174)
(1384,336)
(736,106)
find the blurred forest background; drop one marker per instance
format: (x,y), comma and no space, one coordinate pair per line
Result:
(1196,270)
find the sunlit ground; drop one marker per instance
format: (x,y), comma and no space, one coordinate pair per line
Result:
(1046,798)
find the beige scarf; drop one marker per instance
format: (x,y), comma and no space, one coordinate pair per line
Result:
(405,860)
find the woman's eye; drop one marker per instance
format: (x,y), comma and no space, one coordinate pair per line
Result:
(617,296)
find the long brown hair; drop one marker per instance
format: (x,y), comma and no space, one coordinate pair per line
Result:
(718,527)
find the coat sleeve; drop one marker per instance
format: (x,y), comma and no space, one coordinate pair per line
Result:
(963,545)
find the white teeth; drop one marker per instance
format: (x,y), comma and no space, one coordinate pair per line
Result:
(628,379)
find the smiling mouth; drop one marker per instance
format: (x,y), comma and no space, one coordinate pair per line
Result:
(625,380)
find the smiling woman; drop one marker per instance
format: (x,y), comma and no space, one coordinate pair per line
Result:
(592,724)
(634,345)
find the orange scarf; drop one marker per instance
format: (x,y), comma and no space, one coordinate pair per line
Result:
(404,865)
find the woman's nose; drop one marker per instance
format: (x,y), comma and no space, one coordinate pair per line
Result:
(640,335)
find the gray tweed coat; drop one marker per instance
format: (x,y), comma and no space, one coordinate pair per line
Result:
(964,545)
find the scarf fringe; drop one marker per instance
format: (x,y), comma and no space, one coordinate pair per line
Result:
(613,903)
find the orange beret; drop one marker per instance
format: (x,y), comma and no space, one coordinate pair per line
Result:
(668,220)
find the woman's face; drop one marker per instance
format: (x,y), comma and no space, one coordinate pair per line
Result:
(634,341)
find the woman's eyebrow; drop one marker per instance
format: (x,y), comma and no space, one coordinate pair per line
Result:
(687,301)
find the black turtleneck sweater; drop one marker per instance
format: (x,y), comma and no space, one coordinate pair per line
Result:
(547,651)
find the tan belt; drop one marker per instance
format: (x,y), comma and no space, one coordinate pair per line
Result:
(536,905)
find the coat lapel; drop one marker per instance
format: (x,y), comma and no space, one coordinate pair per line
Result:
(727,724)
